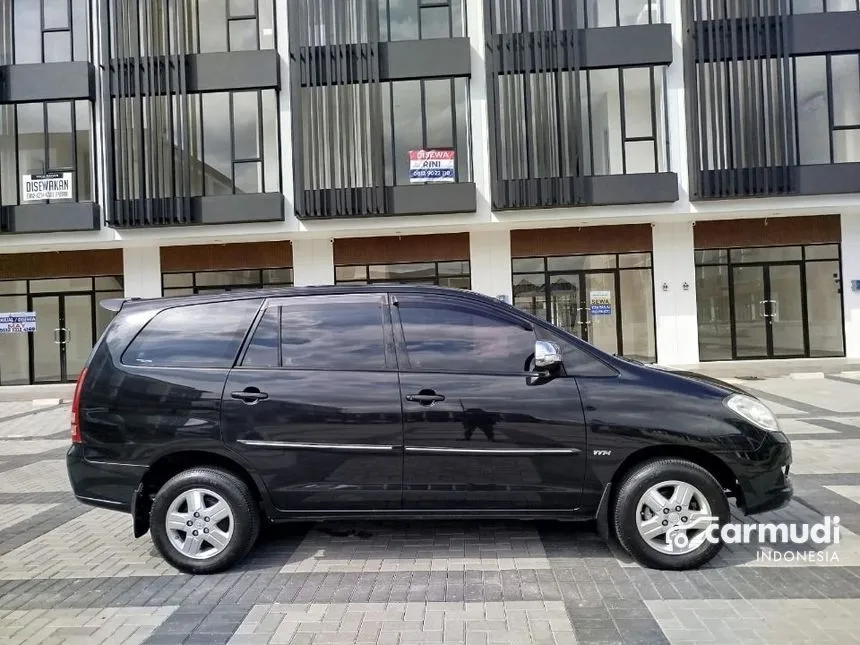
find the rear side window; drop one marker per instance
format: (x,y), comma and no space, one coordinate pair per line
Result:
(193,336)
(321,333)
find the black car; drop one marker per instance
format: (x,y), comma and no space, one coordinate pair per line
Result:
(206,416)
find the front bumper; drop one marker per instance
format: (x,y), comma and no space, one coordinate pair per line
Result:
(763,475)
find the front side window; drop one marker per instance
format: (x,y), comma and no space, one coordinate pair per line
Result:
(331,333)
(197,336)
(50,138)
(450,337)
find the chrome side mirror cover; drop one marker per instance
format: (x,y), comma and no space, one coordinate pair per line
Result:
(547,354)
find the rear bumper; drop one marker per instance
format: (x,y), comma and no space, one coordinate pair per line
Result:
(763,475)
(101,484)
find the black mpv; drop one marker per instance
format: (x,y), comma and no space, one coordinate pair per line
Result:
(206,416)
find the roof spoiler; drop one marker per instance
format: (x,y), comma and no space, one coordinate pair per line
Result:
(115,304)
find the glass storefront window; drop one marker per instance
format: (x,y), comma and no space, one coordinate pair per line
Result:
(188,283)
(445,274)
(61,285)
(769,302)
(766,254)
(572,292)
(14,348)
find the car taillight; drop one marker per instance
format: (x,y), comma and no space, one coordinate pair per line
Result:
(76,400)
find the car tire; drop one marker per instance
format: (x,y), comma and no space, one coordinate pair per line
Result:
(218,542)
(632,512)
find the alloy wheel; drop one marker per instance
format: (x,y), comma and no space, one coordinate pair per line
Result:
(673,517)
(199,523)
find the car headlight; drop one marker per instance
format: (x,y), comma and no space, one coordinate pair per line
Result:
(753,411)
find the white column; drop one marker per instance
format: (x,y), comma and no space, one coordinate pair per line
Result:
(676,106)
(286,110)
(480,125)
(850,273)
(675,307)
(313,262)
(141,268)
(490,259)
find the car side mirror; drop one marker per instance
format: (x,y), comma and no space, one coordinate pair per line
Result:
(547,355)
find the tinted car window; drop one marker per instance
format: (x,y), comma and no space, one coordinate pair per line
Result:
(323,333)
(193,336)
(448,336)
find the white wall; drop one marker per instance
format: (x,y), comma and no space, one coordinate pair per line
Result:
(141,268)
(851,271)
(490,258)
(313,262)
(675,308)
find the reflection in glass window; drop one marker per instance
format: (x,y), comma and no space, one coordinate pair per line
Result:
(321,334)
(513,16)
(448,337)
(454,275)
(539,114)
(44,31)
(421,114)
(340,22)
(175,284)
(231,145)
(193,336)
(49,137)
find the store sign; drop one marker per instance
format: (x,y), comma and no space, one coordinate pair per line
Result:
(432,166)
(601,303)
(49,185)
(20,322)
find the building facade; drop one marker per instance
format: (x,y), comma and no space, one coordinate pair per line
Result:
(672,180)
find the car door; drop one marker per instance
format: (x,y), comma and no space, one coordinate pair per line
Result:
(480,432)
(314,404)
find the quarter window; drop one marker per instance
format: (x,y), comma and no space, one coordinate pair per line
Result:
(457,338)
(321,334)
(206,335)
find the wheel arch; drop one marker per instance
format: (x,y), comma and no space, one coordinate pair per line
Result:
(707,460)
(172,464)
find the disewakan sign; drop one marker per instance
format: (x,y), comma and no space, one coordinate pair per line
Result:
(432,166)
(20,322)
(49,185)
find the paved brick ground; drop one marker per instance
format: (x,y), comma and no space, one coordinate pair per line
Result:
(73,574)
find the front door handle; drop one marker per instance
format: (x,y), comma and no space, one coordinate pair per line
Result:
(249,395)
(425,399)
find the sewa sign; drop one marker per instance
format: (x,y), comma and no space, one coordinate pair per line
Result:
(49,185)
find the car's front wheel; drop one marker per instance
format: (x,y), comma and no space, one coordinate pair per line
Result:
(668,513)
(204,520)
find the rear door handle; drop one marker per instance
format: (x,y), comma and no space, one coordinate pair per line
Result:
(250,395)
(425,399)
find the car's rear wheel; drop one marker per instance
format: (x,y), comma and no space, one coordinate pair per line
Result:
(204,520)
(668,513)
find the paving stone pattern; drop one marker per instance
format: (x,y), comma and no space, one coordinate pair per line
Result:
(73,574)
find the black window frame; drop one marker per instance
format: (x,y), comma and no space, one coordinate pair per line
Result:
(81,141)
(10,54)
(260,283)
(374,297)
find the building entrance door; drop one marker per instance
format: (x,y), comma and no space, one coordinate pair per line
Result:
(586,305)
(63,338)
(769,319)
